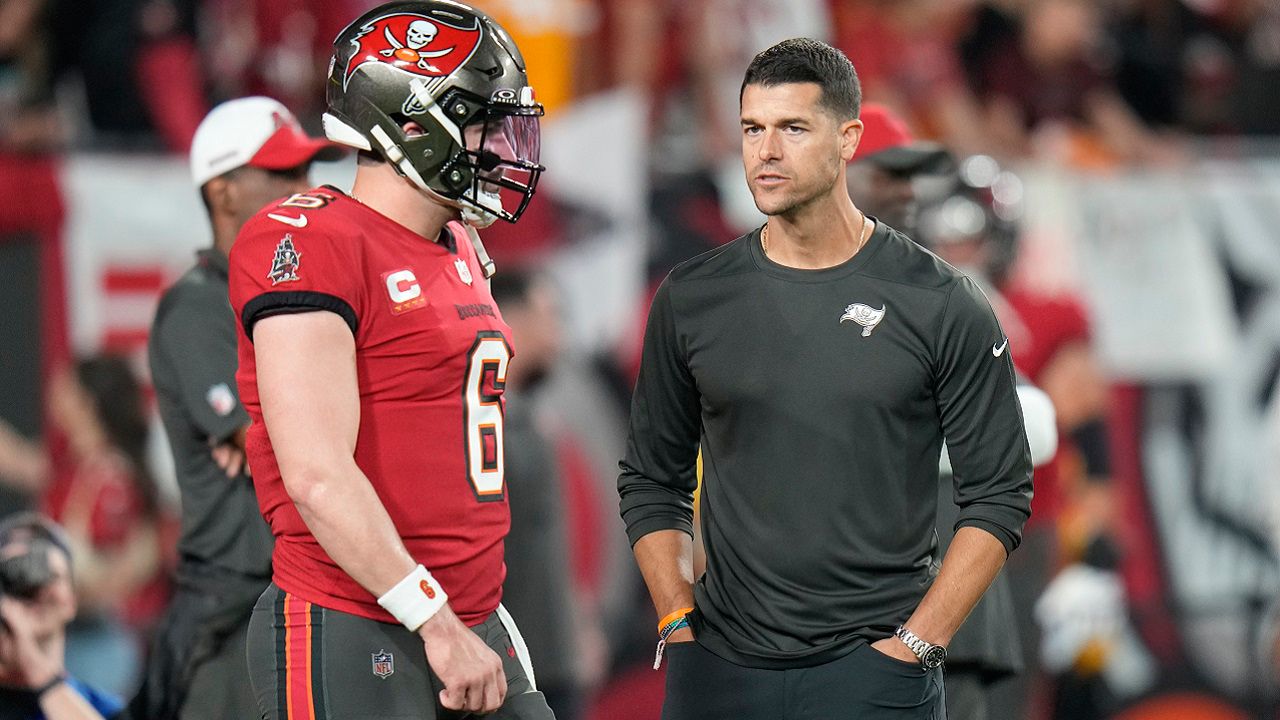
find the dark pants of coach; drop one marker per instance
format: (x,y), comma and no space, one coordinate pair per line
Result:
(863,685)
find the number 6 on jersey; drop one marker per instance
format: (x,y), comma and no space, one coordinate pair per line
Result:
(482,413)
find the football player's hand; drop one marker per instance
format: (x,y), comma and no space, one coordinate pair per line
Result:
(470,670)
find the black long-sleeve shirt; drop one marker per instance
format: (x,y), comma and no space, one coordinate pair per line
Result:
(820,400)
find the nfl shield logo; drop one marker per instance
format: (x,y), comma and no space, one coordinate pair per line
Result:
(383,664)
(464,271)
(220,399)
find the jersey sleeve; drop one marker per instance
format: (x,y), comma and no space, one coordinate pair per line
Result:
(201,358)
(277,270)
(659,470)
(982,418)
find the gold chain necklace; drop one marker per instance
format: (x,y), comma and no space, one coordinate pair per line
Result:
(862,239)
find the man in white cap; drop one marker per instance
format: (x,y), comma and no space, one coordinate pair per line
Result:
(245,154)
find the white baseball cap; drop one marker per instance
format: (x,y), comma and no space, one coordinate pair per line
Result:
(254,131)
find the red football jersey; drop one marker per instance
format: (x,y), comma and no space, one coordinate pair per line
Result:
(431,357)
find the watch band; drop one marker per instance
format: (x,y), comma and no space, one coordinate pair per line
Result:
(55,682)
(917,645)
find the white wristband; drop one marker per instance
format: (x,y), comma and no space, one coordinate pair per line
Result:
(415,599)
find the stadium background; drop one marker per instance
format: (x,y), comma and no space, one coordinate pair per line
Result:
(1163,228)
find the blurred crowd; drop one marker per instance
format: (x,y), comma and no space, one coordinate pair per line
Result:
(1084,80)
(1096,85)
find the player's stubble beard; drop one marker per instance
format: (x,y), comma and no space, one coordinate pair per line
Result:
(823,182)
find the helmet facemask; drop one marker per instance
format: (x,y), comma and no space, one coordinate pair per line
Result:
(468,165)
(500,152)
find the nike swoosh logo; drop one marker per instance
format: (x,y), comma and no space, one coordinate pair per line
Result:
(298,222)
(998,351)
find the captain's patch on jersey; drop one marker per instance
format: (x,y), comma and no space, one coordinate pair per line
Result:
(404,291)
(285,263)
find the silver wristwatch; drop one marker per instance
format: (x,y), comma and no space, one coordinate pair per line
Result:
(930,655)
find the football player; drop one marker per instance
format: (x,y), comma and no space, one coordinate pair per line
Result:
(372,361)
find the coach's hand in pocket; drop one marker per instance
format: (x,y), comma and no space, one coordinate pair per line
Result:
(896,649)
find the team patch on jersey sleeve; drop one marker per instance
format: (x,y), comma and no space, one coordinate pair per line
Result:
(285,262)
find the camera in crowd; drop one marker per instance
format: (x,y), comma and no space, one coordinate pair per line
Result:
(26,543)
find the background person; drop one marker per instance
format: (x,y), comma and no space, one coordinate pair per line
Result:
(539,590)
(37,603)
(246,153)
(104,497)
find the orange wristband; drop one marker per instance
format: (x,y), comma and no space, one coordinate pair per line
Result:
(673,617)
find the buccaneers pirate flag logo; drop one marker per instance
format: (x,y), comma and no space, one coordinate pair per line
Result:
(284,264)
(422,45)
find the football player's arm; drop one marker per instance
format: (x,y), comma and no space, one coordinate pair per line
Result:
(23,463)
(306,372)
(982,420)
(307,384)
(658,473)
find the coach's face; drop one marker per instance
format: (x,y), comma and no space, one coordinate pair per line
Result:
(794,150)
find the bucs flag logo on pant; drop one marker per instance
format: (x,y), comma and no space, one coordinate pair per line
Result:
(427,46)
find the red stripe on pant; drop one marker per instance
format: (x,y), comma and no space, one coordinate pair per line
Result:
(297,617)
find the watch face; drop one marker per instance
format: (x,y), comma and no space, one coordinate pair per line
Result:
(934,657)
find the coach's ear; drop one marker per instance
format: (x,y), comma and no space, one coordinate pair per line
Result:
(850,136)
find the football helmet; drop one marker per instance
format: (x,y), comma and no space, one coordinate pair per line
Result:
(453,70)
(983,202)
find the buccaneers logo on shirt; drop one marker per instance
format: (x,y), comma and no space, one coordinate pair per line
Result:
(284,266)
(427,46)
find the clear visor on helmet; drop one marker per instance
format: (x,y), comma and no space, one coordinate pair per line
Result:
(503,149)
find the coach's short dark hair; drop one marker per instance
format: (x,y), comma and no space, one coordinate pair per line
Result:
(805,60)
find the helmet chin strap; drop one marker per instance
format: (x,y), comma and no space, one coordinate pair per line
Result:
(482,255)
